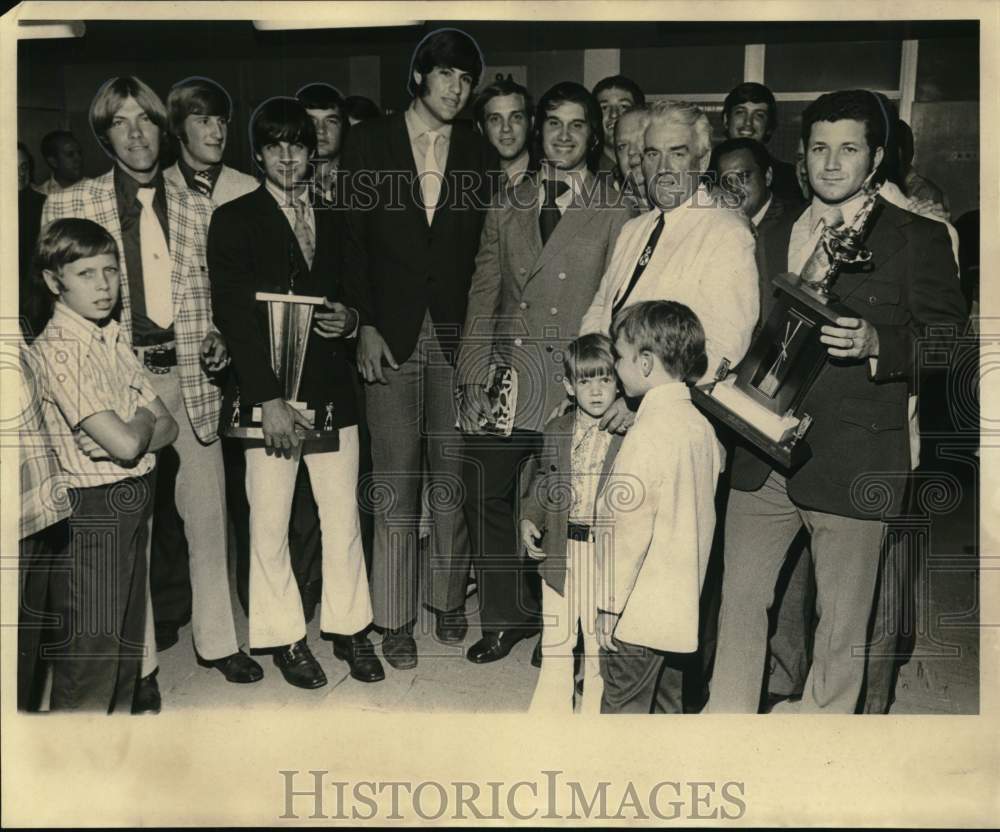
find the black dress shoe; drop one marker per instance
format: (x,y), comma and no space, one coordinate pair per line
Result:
(237,667)
(298,665)
(146,696)
(359,653)
(536,654)
(166,636)
(399,648)
(312,593)
(494,646)
(451,626)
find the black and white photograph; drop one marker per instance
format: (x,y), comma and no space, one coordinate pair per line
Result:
(408,408)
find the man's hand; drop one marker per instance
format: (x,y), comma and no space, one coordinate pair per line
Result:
(278,422)
(606,623)
(372,348)
(850,338)
(529,534)
(475,404)
(340,320)
(560,409)
(88,446)
(214,353)
(618,418)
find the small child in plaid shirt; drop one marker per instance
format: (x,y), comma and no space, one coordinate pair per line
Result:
(105,422)
(557,516)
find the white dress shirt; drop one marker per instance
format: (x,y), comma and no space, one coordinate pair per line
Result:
(703,259)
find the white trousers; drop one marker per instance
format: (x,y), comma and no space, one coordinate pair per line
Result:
(276,617)
(563,618)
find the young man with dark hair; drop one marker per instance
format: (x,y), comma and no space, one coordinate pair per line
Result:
(533,281)
(328,111)
(859,406)
(272,240)
(199,111)
(751,112)
(615,96)
(64,156)
(503,112)
(166,314)
(411,248)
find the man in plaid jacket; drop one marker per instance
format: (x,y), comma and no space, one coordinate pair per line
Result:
(166,313)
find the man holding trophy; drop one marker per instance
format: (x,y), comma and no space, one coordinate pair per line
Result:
(274,265)
(866,278)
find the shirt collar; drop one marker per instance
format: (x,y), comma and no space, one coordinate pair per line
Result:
(763,210)
(281,197)
(213,171)
(819,209)
(578,182)
(74,325)
(663,394)
(416,126)
(518,170)
(127,187)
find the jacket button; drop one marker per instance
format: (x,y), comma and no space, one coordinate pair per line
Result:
(553,311)
(517,342)
(548,347)
(872,300)
(562,275)
(523,270)
(874,425)
(523,304)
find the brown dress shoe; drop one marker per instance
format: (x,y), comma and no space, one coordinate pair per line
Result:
(451,626)
(298,665)
(399,648)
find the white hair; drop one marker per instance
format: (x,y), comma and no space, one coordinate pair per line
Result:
(690,115)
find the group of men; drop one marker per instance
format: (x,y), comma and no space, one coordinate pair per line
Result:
(601,201)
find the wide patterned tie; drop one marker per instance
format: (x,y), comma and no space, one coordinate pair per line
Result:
(156,265)
(303,233)
(430,180)
(549,216)
(640,267)
(203,182)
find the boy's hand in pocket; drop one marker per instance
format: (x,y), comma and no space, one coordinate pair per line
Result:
(529,536)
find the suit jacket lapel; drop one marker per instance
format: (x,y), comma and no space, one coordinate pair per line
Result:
(525,215)
(570,228)
(102,194)
(402,159)
(179,243)
(609,461)
(884,240)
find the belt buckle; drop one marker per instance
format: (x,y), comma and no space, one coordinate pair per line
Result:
(156,349)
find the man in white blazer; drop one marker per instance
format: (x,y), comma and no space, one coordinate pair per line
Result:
(686,248)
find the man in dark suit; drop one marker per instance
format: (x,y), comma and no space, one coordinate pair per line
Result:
(859,408)
(272,240)
(751,112)
(540,261)
(416,190)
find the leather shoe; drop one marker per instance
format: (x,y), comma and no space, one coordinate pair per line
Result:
(146,696)
(451,626)
(311,593)
(298,665)
(359,653)
(494,646)
(166,636)
(399,648)
(237,667)
(536,655)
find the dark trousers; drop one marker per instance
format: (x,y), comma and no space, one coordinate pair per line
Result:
(304,540)
(37,555)
(508,586)
(638,680)
(100,598)
(169,571)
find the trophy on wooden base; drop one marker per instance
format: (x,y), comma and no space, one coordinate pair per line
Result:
(289,320)
(762,402)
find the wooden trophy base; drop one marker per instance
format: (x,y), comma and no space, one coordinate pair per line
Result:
(330,436)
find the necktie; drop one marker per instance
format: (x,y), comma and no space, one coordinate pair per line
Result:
(156,265)
(430,179)
(640,267)
(549,216)
(203,182)
(303,233)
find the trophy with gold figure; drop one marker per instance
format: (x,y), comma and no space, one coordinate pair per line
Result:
(762,400)
(289,320)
